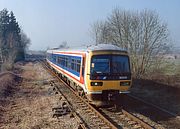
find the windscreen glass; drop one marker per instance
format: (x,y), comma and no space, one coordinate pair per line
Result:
(100,64)
(120,64)
(110,64)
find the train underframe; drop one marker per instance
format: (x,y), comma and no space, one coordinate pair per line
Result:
(106,98)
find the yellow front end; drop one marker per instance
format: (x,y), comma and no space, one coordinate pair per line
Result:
(99,88)
(108,85)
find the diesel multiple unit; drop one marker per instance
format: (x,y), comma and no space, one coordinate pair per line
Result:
(101,72)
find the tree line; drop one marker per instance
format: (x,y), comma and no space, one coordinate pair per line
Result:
(13,41)
(143,34)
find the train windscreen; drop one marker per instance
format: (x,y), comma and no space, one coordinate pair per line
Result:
(100,64)
(112,65)
(120,64)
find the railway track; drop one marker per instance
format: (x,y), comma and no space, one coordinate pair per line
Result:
(153,106)
(161,118)
(124,119)
(92,117)
(87,113)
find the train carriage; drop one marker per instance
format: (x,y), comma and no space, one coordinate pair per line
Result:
(102,72)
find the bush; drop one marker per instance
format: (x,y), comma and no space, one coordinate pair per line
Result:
(6,66)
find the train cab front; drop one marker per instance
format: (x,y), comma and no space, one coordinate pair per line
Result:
(110,77)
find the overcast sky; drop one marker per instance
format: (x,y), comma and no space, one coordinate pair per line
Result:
(50,22)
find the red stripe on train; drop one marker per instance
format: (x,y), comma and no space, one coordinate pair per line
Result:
(82,82)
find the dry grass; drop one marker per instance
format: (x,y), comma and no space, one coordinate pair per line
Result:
(31,107)
(170,80)
(160,94)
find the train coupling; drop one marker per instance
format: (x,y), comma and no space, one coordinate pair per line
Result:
(113,95)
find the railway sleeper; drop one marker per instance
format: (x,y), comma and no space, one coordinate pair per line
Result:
(91,113)
(122,115)
(60,112)
(119,113)
(132,122)
(98,120)
(88,111)
(101,124)
(85,108)
(112,117)
(79,102)
(127,119)
(105,127)
(137,126)
(62,109)
(94,117)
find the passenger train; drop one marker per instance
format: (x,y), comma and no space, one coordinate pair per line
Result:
(101,72)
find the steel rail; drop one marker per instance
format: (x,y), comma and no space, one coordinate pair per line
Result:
(152,105)
(134,118)
(111,125)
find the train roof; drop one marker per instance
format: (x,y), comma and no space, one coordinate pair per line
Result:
(98,47)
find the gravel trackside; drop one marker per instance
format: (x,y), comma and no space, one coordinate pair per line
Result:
(30,104)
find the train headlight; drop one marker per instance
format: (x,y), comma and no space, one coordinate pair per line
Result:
(96,83)
(126,83)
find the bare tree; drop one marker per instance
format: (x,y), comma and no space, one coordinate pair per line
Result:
(143,34)
(100,32)
(96,31)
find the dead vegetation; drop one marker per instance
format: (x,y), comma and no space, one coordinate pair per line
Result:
(169,80)
(30,104)
(158,93)
(8,86)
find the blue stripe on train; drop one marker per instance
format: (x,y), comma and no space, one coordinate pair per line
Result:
(53,58)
